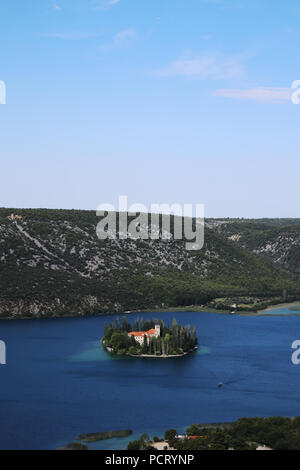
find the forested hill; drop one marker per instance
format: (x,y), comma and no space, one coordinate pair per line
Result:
(277,239)
(53,264)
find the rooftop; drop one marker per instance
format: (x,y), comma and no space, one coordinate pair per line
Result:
(142,333)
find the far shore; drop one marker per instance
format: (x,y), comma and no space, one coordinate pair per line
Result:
(188,309)
(191,309)
(195,309)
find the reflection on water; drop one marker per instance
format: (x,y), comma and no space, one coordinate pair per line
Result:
(92,351)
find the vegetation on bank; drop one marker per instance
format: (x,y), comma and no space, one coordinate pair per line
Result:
(101,436)
(240,305)
(173,340)
(94,437)
(246,304)
(276,433)
(75,446)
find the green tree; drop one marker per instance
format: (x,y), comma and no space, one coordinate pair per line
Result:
(134,445)
(193,430)
(125,326)
(133,350)
(145,345)
(170,434)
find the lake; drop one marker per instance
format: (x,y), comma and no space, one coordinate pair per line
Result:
(58,381)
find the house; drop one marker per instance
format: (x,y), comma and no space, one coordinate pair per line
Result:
(139,335)
(15,217)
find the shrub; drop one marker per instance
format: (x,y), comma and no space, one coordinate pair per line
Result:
(170,434)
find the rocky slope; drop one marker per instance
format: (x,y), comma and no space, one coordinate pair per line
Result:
(278,240)
(52,263)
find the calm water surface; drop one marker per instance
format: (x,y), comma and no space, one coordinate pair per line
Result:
(58,381)
(291,310)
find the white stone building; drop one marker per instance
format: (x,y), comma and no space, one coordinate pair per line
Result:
(139,335)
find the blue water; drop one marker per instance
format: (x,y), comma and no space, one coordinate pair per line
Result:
(295,310)
(58,381)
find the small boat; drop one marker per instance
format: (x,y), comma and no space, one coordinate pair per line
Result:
(220,384)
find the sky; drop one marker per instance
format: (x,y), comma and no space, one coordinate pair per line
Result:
(164,101)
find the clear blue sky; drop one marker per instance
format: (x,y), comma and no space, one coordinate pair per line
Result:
(164,101)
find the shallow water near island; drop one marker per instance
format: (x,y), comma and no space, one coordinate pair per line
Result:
(59,382)
(293,309)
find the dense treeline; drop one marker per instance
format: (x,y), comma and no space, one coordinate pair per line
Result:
(68,293)
(276,433)
(174,339)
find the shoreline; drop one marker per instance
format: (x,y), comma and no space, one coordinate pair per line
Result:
(164,356)
(250,313)
(283,305)
(191,309)
(153,356)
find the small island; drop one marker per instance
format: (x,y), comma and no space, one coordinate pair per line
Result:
(149,338)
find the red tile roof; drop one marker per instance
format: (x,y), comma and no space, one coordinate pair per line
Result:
(151,332)
(142,333)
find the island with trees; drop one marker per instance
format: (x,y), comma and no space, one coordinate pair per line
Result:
(149,338)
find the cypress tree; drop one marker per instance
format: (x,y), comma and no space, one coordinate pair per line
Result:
(163,350)
(145,345)
(124,323)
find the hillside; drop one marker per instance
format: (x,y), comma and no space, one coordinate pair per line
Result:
(52,264)
(277,239)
